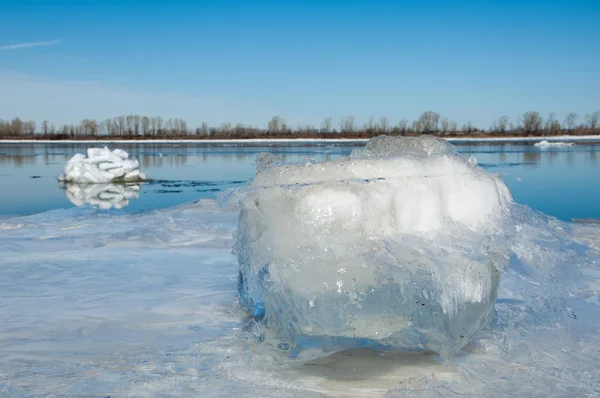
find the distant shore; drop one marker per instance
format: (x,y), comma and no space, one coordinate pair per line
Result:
(283,141)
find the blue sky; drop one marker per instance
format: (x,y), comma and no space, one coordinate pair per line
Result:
(245,61)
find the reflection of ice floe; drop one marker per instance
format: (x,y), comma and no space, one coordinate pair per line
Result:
(552,144)
(105,196)
(102,166)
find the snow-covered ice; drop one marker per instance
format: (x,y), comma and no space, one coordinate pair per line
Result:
(545,143)
(102,166)
(100,303)
(105,196)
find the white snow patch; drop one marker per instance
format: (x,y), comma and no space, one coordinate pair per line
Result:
(552,144)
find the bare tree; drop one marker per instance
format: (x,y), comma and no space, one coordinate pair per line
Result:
(552,125)
(416,127)
(403,126)
(592,119)
(347,124)
(204,129)
(136,124)
(501,125)
(16,127)
(445,125)
(88,127)
(121,124)
(275,125)
(153,128)
(239,129)
(183,129)
(571,120)
(452,127)
(84,126)
(370,127)
(159,125)
(327,125)
(429,122)
(532,122)
(307,129)
(129,120)
(467,128)
(145,122)
(385,124)
(226,128)
(45,127)
(29,128)
(107,126)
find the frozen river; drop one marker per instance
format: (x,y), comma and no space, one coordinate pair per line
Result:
(141,301)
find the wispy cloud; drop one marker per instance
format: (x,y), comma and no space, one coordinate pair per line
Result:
(32,44)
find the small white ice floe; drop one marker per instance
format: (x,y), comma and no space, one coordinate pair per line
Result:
(547,144)
(102,166)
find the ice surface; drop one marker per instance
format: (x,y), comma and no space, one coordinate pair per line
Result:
(102,166)
(399,246)
(552,144)
(101,303)
(105,196)
(95,303)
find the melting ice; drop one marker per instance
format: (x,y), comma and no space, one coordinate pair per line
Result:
(400,246)
(97,303)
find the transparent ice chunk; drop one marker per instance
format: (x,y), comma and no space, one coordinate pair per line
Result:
(399,246)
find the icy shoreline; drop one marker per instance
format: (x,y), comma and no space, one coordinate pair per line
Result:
(458,140)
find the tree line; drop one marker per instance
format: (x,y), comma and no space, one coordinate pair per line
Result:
(143,127)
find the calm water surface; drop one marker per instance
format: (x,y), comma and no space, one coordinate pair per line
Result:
(562,181)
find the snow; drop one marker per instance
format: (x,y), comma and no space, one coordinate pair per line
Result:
(102,166)
(101,303)
(552,144)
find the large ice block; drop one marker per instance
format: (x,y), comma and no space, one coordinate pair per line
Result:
(399,246)
(102,166)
